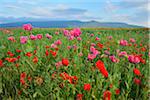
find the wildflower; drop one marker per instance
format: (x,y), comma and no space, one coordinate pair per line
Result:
(79,38)
(123,42)
(48,36)
(100,45)
(113,59)
(1,63)
(23,39)
(87,87)
(100,65)
(91,56)
(107,52)
(11,38)
(39,36)
(71,37)
(56,33)
(117,91)
(35,59)
(28,54)
(79,96)
(80,54)
(65,32)
(76,32)
(133,59)
(17,50)
(29,78)
(137,81)
(53,45)
(46,53)
(123,53)
(132,40)
(65,76)
(58,42)
(53,53)
(97,38)
(93,44)
(107,95)
(32,37)
(22,81)
(136,71)
(23,75)
(91,35)
(27,27)
(65,62)
(11,59)
(58,64)
(109,37)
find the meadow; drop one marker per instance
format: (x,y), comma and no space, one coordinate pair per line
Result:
(74,64)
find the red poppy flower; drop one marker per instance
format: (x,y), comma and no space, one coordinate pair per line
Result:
(100,45)
(100,65)
(17,65)
(65,62)
(29,78)
(11,59)
(137,81)
(35,59)
(79,96)
(1,63)
(11,54)
(53,53)
(87,87)
(65,76)
(18,57)
(22,81)
(28,54)
(46,53)
(73,79)
(34,52)
(136,71)
(107,95)
(23,75)
(117,91)
(19,92)
(18,50)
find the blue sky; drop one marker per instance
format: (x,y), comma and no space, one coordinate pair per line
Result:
(128,11)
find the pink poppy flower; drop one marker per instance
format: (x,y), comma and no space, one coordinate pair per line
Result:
(76,32)
(123,42)
(33,37)
(132,40)
(48,36)
(53,45)
(97,38)
(123,53)
(91,35)
(79,38)
(58,42)
(93,44)
(91,56)
(23,39)
(27,27)
(113,59)
(134,59)
(39,36)
(11,38)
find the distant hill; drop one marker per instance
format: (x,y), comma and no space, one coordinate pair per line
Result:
(69,24)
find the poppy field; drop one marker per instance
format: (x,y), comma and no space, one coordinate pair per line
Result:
(74,64)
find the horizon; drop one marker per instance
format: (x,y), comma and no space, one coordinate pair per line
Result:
(121,11)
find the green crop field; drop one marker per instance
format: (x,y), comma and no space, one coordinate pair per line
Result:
(74,64)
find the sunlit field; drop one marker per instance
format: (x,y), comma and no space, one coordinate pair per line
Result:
(74,64)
